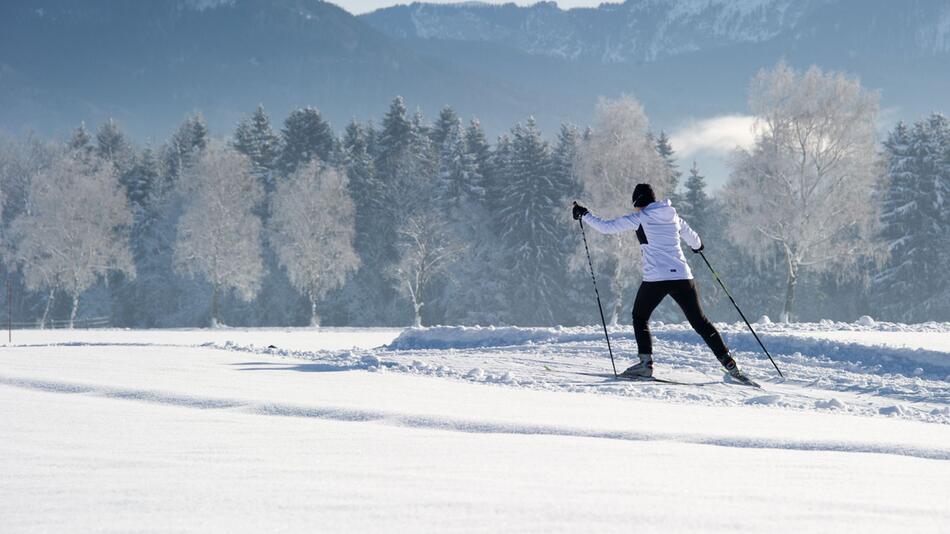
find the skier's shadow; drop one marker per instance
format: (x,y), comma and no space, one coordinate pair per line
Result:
(301,367)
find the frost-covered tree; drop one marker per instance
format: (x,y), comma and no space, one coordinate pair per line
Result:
(219,236)
(305,136)
(426,251)
(806,185)
(255,138)
(173,299)
(312,229)
(413,193)
(113,147)
(617,155)
(20,161)
(280,302)
(76,230)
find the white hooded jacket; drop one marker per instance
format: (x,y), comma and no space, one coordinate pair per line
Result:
(659,230)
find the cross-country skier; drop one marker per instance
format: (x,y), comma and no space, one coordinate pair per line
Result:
(665,272)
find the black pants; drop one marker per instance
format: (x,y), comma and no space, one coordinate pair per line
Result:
(685,294)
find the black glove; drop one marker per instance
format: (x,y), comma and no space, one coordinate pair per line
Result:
(701,247)
(579,211)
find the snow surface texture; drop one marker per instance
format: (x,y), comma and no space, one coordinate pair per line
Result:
(827,366)
(212,431)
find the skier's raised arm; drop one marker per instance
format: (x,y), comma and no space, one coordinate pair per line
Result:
(690,236)
(613,226)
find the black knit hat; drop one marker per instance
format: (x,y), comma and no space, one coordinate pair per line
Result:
(643,196)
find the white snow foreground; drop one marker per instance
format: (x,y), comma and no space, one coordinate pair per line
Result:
(164,431)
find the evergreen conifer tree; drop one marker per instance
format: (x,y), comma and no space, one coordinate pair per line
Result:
(277,302)
(360,295)
(898,229)
(929,149)
(498,173)
(404,166)
(112,146)
(459,187)
(664,148)
(565,160)
(360,171)
(255,138)
(393,141)
(474,290)
(141,179)
(305,136)
(80,144)
(444,125)
(694,206)
(477,146)
(530,229)
(185,146)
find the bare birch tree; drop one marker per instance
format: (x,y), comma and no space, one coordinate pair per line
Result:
(426,251)
(805,187)
(618,155)
(312,227)
(75,230)
(219,236)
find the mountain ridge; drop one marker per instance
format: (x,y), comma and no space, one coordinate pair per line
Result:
(650,30)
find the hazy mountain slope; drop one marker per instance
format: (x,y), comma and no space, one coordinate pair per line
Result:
(149,63)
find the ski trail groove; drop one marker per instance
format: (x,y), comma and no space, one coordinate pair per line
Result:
(464,425)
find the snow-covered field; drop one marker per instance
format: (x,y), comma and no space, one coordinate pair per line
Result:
(461,429)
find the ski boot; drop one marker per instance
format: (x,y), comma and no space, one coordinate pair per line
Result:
(644,369)
(736,375)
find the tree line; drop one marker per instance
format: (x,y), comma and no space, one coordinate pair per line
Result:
(426,222)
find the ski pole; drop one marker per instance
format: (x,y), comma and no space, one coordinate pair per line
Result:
(728,294)
(599,306)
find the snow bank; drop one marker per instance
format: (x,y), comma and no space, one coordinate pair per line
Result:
(784,341)
(469,337)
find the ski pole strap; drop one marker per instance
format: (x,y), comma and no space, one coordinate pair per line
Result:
(728,294)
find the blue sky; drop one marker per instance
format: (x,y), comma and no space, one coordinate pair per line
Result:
(364,6)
